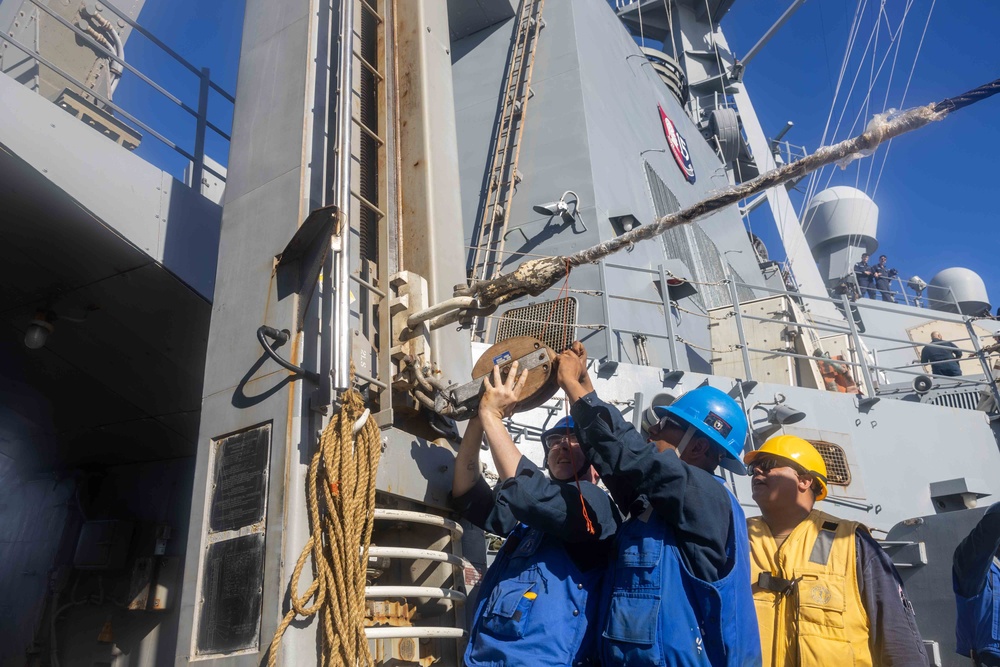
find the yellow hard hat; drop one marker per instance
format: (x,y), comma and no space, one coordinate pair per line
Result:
(797,450)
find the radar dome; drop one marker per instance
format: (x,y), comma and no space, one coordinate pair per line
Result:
(961,285)
(839,213)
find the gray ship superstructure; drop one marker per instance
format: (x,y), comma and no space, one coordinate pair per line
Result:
(384,153)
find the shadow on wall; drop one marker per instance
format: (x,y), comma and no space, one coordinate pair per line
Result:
(191,238)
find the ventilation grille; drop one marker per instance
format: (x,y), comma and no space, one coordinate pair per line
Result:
(966,400)
(837,470)
(552,322)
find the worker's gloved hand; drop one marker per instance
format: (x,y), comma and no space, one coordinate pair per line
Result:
(500,398)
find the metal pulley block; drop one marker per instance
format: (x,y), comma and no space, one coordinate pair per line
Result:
(462,401)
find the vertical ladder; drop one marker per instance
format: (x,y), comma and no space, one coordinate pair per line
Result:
(361,335)
(486,254)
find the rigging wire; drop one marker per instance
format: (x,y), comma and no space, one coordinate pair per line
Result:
(715,47)
(885,156)
(814,180)
(670,26)
(642,33)
(848,49)
(892,73)
(811,184)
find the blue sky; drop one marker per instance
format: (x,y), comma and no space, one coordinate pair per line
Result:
(935,194)
(206,34)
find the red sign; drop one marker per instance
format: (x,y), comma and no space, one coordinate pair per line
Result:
(678,146)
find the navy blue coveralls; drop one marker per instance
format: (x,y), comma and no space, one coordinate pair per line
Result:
(881,279)
(866,278)
(943,362)
(678,592)
(976,581)
(539,601)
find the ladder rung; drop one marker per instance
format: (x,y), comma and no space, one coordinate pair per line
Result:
(367,204)
(368,66)
(364,128)
(371,10)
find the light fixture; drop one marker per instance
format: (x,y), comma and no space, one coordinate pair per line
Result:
(918,285)
(623,222)
(38,330)
(560,208)
(781,415)
(777,416)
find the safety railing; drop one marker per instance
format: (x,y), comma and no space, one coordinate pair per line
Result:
(202,124)
(454,559)
(868,370)
(786,153)
(896,293)
(697,106)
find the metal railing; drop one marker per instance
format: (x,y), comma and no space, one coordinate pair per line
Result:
(897,288)
(867,369)
(197,155)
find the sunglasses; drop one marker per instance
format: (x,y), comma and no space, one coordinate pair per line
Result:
(767,464)
(667,421)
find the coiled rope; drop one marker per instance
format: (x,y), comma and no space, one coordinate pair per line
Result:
(341,502)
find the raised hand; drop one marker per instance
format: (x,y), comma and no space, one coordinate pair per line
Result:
(500,398)
(571,371)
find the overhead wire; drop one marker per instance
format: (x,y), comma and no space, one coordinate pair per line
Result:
(715,46)
(811,183)
(892,73)
(848,49)
(902,101)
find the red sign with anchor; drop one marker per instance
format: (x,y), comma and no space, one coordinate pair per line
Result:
(678,146)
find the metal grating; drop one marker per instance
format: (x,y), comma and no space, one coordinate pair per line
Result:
(690,244)
(966,400)
(552,322)
(837,470)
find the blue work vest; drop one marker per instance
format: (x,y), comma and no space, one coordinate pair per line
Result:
(535,606)
(977,627)
(661,614)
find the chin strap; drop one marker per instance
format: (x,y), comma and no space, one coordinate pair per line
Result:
(688,435)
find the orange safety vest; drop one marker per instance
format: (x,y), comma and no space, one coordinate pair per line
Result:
(808,605)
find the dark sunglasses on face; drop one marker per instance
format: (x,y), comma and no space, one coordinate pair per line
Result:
(767,464)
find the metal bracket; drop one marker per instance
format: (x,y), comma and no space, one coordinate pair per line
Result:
(462,401)
(906,554)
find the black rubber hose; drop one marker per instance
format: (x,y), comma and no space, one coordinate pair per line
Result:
(281,337)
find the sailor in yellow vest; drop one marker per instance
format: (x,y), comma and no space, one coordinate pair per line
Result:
(825,592)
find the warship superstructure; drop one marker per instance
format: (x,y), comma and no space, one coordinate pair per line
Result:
(172,353)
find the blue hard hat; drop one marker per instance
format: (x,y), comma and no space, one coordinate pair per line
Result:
(717,417)
(564,426)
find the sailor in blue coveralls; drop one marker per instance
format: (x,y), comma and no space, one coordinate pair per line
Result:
(976,580)
(539,601)
(678,591)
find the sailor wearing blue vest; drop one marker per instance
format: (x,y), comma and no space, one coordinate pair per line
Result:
(677,593)
(539,601)
(976,580)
